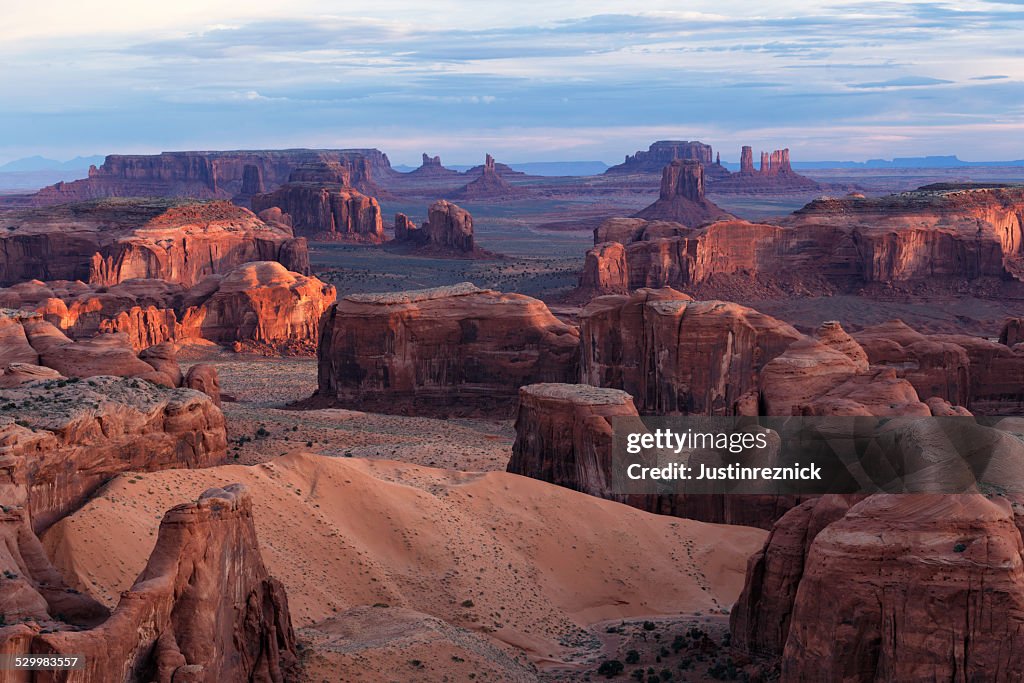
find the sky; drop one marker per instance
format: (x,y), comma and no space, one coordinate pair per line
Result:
(526,80)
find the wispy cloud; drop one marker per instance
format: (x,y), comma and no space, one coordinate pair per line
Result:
(217,74)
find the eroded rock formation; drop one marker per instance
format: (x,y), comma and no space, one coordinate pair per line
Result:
(564,435)
(259,304)
(489,185)
(939,238)
(681,198)
(431,167)
(319,203)
(448,231)
(896,587)
(675,355)
(446,346)
(109,241)
(204,608)
(210,175)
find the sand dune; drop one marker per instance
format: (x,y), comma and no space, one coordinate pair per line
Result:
(526,562)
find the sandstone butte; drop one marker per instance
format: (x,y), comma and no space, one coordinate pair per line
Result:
(448,232)
(203,608)
(939,237)
(319,202)
(893,587)
(457,346)
(681,197)
(431,167)
(211,175)
(672,355)
(108,241)
(489,185)
(260,305)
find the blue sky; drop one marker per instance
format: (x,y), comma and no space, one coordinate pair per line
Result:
(526,81)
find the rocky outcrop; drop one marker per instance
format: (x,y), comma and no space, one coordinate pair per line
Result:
(431,167)
(73,435)
(746,161)
(1012,332)
(675,355)
(204,608)
(983,376)
(775,174)
(203,377)
(443,347)
(319,204)
(265,304)
(564,435)
(681,198)
(941,240)
(252,184)
(897,587)
(210,175)
(661,153)
(109,241)
(489,185)
(259,304)
(447,232)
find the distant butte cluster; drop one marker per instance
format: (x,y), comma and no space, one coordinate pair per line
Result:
(775,172)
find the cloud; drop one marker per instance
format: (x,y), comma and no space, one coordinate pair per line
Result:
(904,82)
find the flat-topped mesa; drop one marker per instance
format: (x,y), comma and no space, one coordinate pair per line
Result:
(318,202)
(675,355)
(490,184)
(682,197)
(564,435)
(109,241)
(448,231)
(73,435)
(451,347)
(664,152)
(210,175)
(939,239)
(204,608)
(894,587)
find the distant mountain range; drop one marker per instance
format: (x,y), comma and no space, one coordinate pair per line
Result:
(38,163)
(899,162)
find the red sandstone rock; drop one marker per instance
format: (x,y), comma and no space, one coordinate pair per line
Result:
(204,608)
(447,232)
(203,377)
(210,175)
(432,168)
(564,435)
(682,197)
(320,204)
(679,356)
(604,271)
(455,346)
(80,433)
(911,587)
(661,153)
(1012,332)
(490,185)
(107,242)
(260,303)
(164,359)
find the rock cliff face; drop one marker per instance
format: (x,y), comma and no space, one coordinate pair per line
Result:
(204,608)
(210,175)
(259,304)
(981,375)
(681,198)
(74,435)
(937,238)
(490,185)
(897,587)
(109,241)
(564,435)
(447,232)
(319,204)
(664,152)
(675,355)
(1012,332)
(447,346)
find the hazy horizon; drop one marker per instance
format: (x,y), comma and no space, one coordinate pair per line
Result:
(529,82)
